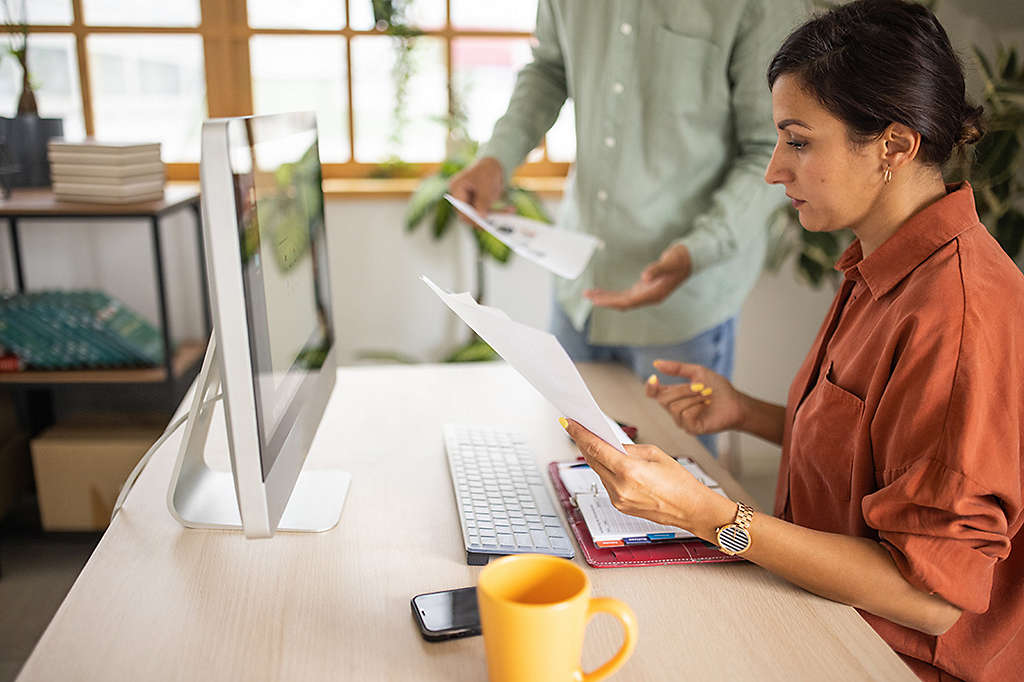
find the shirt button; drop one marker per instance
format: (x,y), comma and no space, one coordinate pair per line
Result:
(609,142)
(626,29)
(617,88)
(602,195)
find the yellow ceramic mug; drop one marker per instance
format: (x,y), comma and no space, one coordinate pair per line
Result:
(534,610)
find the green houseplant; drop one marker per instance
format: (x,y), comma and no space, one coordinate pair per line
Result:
(994,167)
(427,204)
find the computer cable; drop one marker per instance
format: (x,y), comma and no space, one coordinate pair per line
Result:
(168,432)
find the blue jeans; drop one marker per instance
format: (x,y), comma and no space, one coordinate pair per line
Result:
(714,349)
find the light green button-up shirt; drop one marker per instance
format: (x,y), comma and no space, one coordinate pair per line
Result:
(674,131)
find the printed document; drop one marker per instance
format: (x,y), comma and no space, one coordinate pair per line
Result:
(607,525)
(539,358)
(562,252)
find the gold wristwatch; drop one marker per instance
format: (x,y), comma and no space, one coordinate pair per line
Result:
(734,538)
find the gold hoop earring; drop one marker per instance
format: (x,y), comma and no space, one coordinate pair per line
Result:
(887,176)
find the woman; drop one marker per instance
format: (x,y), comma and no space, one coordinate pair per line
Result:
(900,491)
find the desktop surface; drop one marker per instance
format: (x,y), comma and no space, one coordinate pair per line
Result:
(157,601)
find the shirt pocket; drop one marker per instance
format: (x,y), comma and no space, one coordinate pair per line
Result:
(824,440)
(687,74)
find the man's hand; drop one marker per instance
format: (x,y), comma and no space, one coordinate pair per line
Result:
(658,280)
(479,185)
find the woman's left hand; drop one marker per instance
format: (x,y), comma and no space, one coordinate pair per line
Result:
(646,482)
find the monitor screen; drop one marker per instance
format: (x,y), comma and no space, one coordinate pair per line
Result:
(275,168)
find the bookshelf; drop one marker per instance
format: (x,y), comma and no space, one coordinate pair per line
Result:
(180,366)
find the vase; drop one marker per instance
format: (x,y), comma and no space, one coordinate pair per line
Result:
(26,138)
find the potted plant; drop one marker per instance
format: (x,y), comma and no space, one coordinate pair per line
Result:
(27,134)
(428,201)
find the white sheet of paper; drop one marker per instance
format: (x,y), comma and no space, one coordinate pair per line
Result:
(538,357)
(562,252)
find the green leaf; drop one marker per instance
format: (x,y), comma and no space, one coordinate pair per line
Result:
(476,350)
(527,204)
(983,63)
(1009,232)
(424,199)
(386,356)
(491,246)
(1010,68)
(443,216)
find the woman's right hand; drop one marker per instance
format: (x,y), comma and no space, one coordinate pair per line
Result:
(705,403)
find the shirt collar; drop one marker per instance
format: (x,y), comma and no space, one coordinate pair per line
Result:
(917,239)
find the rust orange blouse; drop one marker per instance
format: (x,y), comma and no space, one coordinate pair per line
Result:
(905,424)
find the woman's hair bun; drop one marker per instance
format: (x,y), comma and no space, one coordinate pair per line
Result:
(971,129)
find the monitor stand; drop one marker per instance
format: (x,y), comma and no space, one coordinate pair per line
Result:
(201,497)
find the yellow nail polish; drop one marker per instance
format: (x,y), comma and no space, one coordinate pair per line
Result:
(696,388)
(706,391)
(653,380)
(564,422)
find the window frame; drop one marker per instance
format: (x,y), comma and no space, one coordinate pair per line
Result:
(225,33)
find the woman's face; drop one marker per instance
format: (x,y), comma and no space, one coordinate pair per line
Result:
(832,182)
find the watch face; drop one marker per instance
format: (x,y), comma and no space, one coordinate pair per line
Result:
(733,539)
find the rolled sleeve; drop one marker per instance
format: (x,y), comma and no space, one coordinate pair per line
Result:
(944,531)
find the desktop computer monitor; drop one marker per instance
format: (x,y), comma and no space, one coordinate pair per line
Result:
(272,351)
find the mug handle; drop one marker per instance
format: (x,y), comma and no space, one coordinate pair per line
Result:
(624,615)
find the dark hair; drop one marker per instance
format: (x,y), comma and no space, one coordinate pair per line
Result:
(875,62)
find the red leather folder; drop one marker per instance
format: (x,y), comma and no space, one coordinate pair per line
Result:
(682,552)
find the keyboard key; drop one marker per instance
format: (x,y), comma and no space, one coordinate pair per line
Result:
(540,539)
(524,540)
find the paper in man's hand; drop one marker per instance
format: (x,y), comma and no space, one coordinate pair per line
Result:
(562,252)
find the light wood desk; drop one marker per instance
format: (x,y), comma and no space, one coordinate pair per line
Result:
(157,602)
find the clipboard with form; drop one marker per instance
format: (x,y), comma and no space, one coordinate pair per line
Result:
(682,551)
(607,525)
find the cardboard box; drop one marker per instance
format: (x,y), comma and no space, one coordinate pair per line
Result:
(80,469)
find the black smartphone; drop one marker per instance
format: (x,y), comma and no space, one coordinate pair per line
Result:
(447,614)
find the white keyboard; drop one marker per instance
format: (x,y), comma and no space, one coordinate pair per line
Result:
(503,505)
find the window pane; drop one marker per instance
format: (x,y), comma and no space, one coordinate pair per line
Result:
(53,66)
(509,15)
(291,73)
(425,14)
(315,14)
(47,11)
(378,135)
(141,12)
(484,74)
(562,136)
(149,88)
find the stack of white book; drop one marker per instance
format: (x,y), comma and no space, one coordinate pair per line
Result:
(106,172)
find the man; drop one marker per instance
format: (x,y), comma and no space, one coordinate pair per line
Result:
(674,130)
